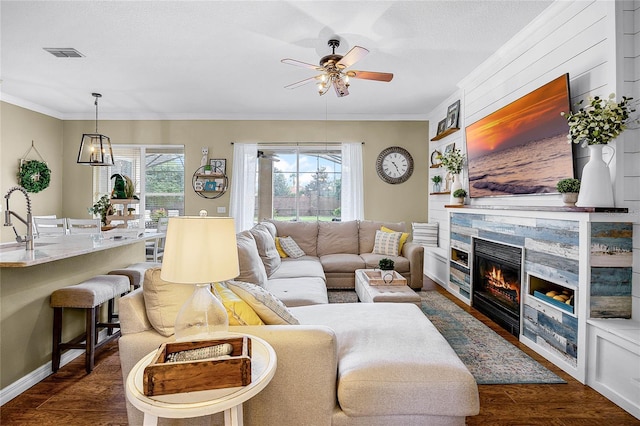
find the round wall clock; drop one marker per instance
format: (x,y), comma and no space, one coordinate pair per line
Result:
(394,165)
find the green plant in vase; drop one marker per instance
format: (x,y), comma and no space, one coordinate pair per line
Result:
(102,207)
(437,179)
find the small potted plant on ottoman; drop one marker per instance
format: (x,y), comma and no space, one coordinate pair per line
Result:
(386,269)
(569,188)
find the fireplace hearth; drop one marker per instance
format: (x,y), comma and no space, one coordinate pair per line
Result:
(497,270)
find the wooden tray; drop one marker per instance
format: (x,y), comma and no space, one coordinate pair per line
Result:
(162,377)
(375,278)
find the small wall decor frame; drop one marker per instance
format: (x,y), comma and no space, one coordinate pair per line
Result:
(449,148)
(453,113)
(442,125)
(218,166)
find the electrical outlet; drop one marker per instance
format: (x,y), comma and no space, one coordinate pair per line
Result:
(222,209)
(205,150)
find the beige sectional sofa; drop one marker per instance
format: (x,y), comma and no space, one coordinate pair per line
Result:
(351,364)
(373,364)
(343,247)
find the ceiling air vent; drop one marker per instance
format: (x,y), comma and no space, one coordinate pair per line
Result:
(63,52)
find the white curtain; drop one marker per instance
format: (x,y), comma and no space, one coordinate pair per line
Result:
(243,185)
(352,198)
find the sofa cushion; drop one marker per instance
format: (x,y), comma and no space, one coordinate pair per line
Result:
(304,233)
(238,311)
(306,266)
(271,228)
(266,244)
(299,291)
(270,310)
(291,248)
(342,263)
(393,361)
(387,243)
(163,300)
(252,269)
(367,234)
(337,237)
(401,264)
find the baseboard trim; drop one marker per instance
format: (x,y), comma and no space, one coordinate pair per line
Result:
(39,374)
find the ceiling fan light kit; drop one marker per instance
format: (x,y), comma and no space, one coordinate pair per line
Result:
(334,70)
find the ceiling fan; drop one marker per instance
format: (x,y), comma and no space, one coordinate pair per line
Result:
(334,70)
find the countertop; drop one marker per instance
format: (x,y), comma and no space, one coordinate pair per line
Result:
(49,249)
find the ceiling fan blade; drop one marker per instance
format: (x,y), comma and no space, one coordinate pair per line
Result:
(352,56)
(301,64)
(370,75)
(303,82)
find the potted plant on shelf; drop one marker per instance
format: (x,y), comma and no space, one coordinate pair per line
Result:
(452,160)
(437,179)
(594,126)
(102,207)
(569,188)
(459,195)
(207,169)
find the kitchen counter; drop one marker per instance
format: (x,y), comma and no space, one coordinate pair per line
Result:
(49,249)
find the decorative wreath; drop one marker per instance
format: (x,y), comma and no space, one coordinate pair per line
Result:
(34,175)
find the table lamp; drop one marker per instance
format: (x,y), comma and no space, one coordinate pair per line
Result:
(200,250)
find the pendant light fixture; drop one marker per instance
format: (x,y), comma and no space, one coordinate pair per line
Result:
(95,149)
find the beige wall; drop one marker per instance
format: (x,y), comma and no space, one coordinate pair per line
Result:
(18,127)
(404,202)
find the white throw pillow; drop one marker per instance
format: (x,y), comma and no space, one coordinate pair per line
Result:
(268,307)
(290,247)
(387,243)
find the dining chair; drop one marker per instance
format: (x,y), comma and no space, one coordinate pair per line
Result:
(83,226)
(155,249)
(46,226)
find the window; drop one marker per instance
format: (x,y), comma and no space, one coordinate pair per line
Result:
(157,173)
(305,185)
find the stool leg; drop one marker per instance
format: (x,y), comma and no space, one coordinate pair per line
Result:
(57,338)
(110,316)
(91,335)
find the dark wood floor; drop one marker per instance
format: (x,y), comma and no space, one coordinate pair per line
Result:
(71,397)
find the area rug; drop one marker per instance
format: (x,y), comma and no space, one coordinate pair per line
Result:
(489,357)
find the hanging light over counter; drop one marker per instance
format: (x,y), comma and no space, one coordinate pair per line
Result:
(95,149)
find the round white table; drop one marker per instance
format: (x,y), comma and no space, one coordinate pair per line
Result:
(203,403)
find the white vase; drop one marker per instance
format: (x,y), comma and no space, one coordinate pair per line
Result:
(595,186)
(455,184)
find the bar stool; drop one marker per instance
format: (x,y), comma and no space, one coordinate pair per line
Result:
(135,272)
(88,295)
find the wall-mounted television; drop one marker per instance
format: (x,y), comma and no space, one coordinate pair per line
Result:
(522,148)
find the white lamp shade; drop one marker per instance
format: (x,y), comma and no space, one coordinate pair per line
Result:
(200,250)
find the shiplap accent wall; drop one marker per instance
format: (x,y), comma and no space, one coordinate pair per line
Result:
(596,42)
(630,58)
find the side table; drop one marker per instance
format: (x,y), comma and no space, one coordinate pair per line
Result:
(203,403)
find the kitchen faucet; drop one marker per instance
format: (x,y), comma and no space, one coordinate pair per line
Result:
(29,222)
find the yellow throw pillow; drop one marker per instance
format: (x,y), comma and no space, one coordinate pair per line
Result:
(403,238)
(239,311)
(279,248)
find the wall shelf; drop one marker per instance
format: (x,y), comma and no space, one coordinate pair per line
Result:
(445,134)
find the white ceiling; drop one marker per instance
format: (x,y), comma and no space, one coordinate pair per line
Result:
(221,59)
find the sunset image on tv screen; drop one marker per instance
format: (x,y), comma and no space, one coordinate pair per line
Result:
(522,148)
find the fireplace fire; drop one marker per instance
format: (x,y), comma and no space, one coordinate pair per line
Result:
(496,283)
